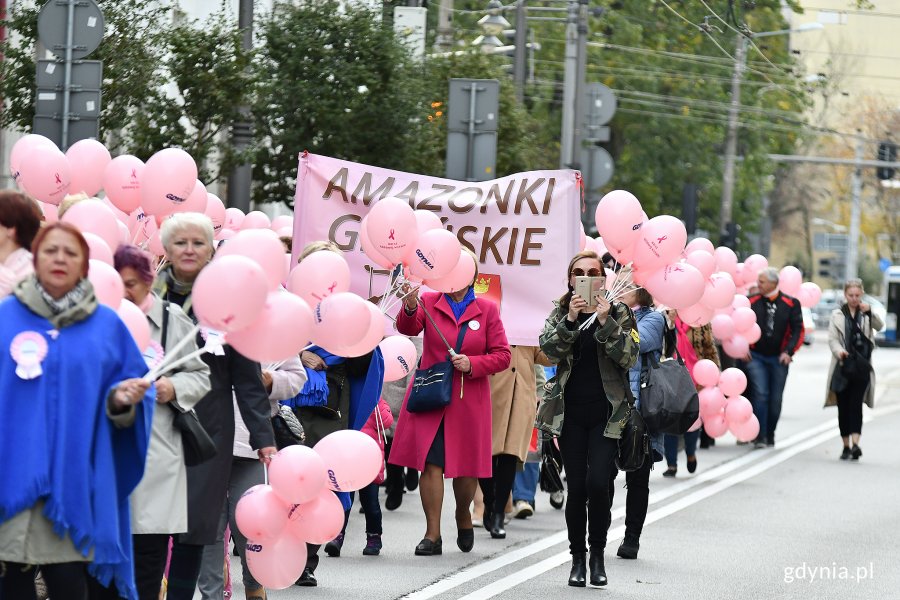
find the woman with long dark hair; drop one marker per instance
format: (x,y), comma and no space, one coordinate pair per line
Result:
(592,375)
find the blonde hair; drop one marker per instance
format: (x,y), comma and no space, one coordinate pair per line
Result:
(318,246)
(69,201)
(469,251)
(852,283)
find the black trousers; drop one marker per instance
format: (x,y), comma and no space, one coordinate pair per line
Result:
(497,488)
(637,484)
(588,458)
(184,570)
(150,552)
(850,403)
(66,581)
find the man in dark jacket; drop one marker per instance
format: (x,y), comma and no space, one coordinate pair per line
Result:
(781,323)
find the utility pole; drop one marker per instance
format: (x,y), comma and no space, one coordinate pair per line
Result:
(444,38)
(740,58)
(570,94)
(580,71)
(240,180)
(856,190)
(520,65)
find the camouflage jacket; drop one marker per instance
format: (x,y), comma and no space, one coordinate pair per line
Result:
(619,344)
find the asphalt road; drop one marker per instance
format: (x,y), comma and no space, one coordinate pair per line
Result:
(789,522)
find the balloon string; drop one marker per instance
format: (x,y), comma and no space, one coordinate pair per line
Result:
(266,473)
(394,302)
(166,368)
(170,354)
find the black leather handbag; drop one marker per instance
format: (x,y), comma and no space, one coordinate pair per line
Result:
(634,445)
(432,388)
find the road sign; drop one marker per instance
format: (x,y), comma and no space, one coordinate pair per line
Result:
(472,116)
(87,31)
(80,129)
(486,106)
(597,167)
(87,74)
(600,105)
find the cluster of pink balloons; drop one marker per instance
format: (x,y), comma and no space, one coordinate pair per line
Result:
(392,234)
(299,506)
(722,407)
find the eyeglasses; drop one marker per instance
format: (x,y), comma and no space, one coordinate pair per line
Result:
(590,272)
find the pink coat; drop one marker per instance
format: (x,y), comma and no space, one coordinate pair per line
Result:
(467,419)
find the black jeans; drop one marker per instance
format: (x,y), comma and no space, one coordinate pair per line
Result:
(498,487)
(66,581)
(184,571)
(637,484)
(849,404)
(588,458)
(150,553)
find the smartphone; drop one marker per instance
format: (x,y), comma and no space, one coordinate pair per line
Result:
(588,287)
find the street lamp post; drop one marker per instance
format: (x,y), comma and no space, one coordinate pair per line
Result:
(740,65)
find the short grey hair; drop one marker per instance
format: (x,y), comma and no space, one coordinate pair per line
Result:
(181,221)
(770,273)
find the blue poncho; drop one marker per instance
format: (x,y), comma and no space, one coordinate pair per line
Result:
(57,443)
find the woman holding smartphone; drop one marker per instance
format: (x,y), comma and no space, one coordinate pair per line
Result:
(592,374)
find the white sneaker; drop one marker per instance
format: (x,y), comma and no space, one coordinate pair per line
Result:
(522,510)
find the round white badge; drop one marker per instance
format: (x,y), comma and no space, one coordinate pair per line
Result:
(474,325)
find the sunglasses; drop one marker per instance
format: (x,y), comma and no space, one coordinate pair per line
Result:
(590,272)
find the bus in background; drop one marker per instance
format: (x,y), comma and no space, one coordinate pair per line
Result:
(892,301)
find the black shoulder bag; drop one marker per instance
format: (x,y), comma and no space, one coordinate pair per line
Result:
(669,399)
(432,388)
(855,367)
(198,446)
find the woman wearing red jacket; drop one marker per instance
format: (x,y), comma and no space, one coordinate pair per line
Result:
(453,442)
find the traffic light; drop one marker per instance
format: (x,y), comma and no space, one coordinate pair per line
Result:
(825,268)
(887,151)
(731,237)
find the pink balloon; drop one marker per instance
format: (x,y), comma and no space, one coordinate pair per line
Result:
(234,218)
(276,564)
(99,250)
(121,216)
(738,410)
(225,234)
(392,228)
(624,255)
(88,159)
(262,246)
(715,426)
(740,301)
(737,346)
(426,220)
(318,521)
(154,245)
(319,275)
(726,260)
(746,431)
(582,238)
(619,218)
(789,280)
(590,245)
(706,373)
(136,322)
(399,357)
(703,262)
(340,321)
(732,382)
(285,232)
(95,217)
(261,514)
(753,334)
(282,221)
(124,233)
(678,285)
(811,292)
(230,293)
(662,241)
(369,248)
(434,254)
(712,401)
(122,182)
(108,286)
(699,245)
(459,278)
(297,474)
(743,318)
(22,147)
(167,181)
(722,327)
(282,330)
(371,338)
(50,212)
(46,174)
(215,210)
(256,219)
(196,201)
(719,291)
(697,424)
(753,264)
(352,459)
(600,247)
(696,315)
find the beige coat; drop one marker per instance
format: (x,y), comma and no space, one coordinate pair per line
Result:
(159,502)
(514,402)
(836,344)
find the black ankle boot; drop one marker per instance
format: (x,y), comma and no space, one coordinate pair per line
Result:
(629,546)
(579,570)
(598,570)
(497,530)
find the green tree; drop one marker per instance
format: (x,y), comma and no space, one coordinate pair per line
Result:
(132,48)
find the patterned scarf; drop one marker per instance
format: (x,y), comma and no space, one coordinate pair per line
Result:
(71,299)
